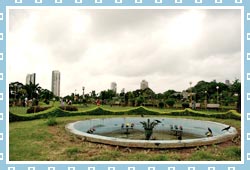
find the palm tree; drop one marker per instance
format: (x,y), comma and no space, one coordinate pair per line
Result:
(33,90)
(148,127)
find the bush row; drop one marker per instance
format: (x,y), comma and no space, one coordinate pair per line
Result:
(69,108)
(57,112)
(231,114)
(35,109)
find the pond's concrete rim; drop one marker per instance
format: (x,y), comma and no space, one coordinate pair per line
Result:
(153,143)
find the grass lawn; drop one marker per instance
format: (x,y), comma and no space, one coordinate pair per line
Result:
(35,140)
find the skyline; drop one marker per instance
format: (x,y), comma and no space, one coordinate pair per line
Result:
(113,85)
(166,47)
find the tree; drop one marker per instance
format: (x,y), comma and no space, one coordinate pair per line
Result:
(33,90)
(130,97)
(170,102)
(236,90)
(140,100)
(107,95)
(46,95)
(16,90)
(168,94)
(93,94)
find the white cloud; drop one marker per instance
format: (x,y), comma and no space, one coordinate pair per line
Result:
(94,47)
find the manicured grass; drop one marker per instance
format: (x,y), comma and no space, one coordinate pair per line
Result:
(35,140)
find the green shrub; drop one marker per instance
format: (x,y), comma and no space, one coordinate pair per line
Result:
(185,105)
(170,102)
(51,121)
(161,105)
(57,112)
(69,108)
(46,101)
(35,109)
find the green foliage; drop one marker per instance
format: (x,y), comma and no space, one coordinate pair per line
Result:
(161,105)
(185,105)
(32,90)
(54,111)
(51,121)
(168,94)
(35,109)
(231,114)
(107,94)
(140,100)
(170,102)
(69,108)
(150,125)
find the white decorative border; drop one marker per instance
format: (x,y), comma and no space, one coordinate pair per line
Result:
(116,166)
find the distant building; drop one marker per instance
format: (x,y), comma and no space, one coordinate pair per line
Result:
(227,82)
(185,94)
(144,84)
(114,86)
(123,90)
(55,86)
(31,78)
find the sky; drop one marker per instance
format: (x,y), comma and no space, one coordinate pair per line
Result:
(169,48)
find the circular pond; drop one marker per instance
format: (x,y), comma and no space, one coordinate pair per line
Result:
(129,132)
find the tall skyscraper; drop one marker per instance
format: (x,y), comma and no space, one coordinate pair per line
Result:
(55,86)
(114,86)
(144,84)
(31,78)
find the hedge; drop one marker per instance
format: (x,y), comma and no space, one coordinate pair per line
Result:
(231,114)
(57,112)
(35,109)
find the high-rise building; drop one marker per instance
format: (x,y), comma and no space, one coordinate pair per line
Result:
(123,90)
(31,78)
(227,82)
(144,84)
(114,86)
(55,86)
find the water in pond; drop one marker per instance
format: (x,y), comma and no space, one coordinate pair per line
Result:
(157,135)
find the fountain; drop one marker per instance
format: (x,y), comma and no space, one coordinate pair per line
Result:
(169,132)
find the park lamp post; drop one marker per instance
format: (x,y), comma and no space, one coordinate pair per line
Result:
(190,91)
(217,87)
(205,100)
(54,99)
(75,95)
(83,88)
